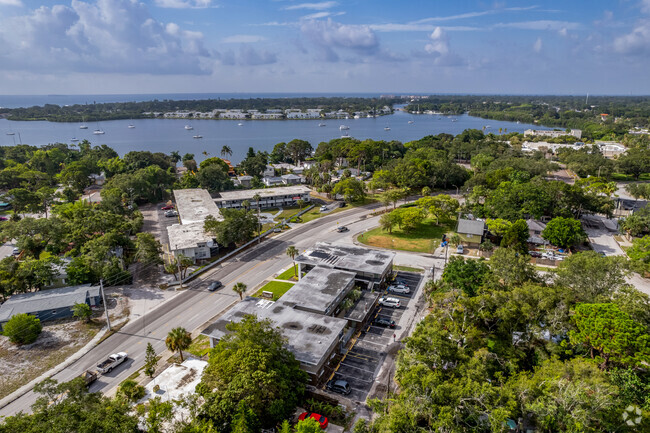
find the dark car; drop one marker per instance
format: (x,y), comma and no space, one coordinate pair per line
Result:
(400,281)
(384,321)
(535,254)
(340,386)
(214,286)
(342,229)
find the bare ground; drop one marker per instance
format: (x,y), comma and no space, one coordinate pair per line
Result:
(58,341)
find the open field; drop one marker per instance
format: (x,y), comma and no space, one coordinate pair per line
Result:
(424,239)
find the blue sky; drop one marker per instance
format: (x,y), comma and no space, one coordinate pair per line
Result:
(432,46)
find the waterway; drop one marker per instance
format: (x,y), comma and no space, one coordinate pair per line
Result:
(167,135)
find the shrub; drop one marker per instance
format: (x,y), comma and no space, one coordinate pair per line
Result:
(23,329)
(131,391)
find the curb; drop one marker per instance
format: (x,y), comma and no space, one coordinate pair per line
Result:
(54,370)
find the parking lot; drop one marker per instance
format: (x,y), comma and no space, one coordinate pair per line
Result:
(361,363)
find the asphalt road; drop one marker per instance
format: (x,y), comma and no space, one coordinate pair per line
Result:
(193,307)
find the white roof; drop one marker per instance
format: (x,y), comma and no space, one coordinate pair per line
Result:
(247,194)
(186,236)
(194,205)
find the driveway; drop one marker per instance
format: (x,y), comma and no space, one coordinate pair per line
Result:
(603,241)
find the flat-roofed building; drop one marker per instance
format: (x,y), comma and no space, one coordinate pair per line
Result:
(314,339)
(194,205)
(270,197)
(369,266)
(320,291)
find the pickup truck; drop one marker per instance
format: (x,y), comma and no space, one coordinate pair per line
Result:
(89,376)
(111,362)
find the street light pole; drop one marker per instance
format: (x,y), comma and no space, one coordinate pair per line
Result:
(101,289)
(178,262)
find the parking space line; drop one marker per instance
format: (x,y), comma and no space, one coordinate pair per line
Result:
(376,344)
(363,357)
(357,368)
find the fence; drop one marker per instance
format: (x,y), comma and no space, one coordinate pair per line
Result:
(237,250)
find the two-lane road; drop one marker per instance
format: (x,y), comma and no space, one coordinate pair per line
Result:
(196,305)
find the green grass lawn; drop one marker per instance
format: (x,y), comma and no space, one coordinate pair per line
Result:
(277,287)
(200,346)
(407,269)
(288,274)
(422,240)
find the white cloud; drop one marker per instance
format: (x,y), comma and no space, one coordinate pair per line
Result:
(243,39)
(394,27)
(313,6)
(320,15)
(474,14)
(337,35)
(246,56)
(104,36)
(645,6)
(636,42)
(537,46)
(540,25)
(11,3)
(184,4)
(439,43)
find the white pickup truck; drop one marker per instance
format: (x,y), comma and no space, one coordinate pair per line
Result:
(111,362)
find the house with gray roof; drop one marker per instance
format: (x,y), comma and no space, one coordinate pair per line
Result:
(50,304)
(471,231)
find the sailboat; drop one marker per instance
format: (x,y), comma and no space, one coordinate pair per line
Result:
(83,125)
(321,124)
(343,128)
(386,128)
(188,127)
(197,136)
(11,133)
(131,125)
(74,139)
(98,131)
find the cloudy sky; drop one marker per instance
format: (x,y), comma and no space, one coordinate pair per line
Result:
(176,46)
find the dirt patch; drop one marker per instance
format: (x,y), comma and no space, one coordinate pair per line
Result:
(187,378)
(58,341)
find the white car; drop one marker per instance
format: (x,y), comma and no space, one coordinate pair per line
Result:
(387,301)
(399,288)
(324,208)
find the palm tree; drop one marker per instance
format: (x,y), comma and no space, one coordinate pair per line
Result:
(175,156)
(226,151)
(300,203)
(240,289)
(205,153)
(178,339)
(246,204)
(293,252)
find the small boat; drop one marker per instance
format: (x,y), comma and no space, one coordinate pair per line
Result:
(346,135)
(321,124)
(343,128)
(188,127)
(356,116)
(456,120)
(240,124)
(197,136)
(74,140)
(83,125)
(386,128)
(11,133)
(98,132)
(131,126)
(411,122)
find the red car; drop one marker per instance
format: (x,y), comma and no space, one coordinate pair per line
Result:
(322,420)
(168,207)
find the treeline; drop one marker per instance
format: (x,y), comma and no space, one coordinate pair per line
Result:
(127,110)
(553,111)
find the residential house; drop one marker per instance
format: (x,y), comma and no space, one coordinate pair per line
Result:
(471,231)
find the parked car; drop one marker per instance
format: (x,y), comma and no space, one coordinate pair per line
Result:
(15,251)
(340,386)
(342,229)
(171,213)
(168,207)
(89,376)
(111,362)
(399,288)
(322,420)
(323,208)
(384,321)
(401,281)
(535,254)
(3,218)
(387,301)
(214,286)
(460,249)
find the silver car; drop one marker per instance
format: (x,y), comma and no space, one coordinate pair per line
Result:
(399,288)
(387,301)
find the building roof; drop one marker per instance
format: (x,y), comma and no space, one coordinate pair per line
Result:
(46,300)
(186,236)
(321,290)
(290,176)
(309,335)
(247,194)
(356,259)
(194,205)
(534,225)
(471,227)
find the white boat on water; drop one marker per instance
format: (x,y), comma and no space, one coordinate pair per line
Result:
(456,120)
(188,127)
(131,126)
(344,128)
(346,135)
(74,140)
(240,124)
(411,122)
(83,127)
(83,123)
(197,136)
(386,128)
(321,124)
(98,132)
(11,133)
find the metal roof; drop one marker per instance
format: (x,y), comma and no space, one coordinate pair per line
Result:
(46,300)
(471,227)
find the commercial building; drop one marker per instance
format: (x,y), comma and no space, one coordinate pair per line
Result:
(314,339)
(270,197)
(321,291)
(50,304)
(188,238)
(370,267)
(577,133)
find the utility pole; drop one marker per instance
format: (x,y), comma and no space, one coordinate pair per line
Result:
(101,289)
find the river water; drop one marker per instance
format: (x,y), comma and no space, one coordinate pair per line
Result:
(166,135)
